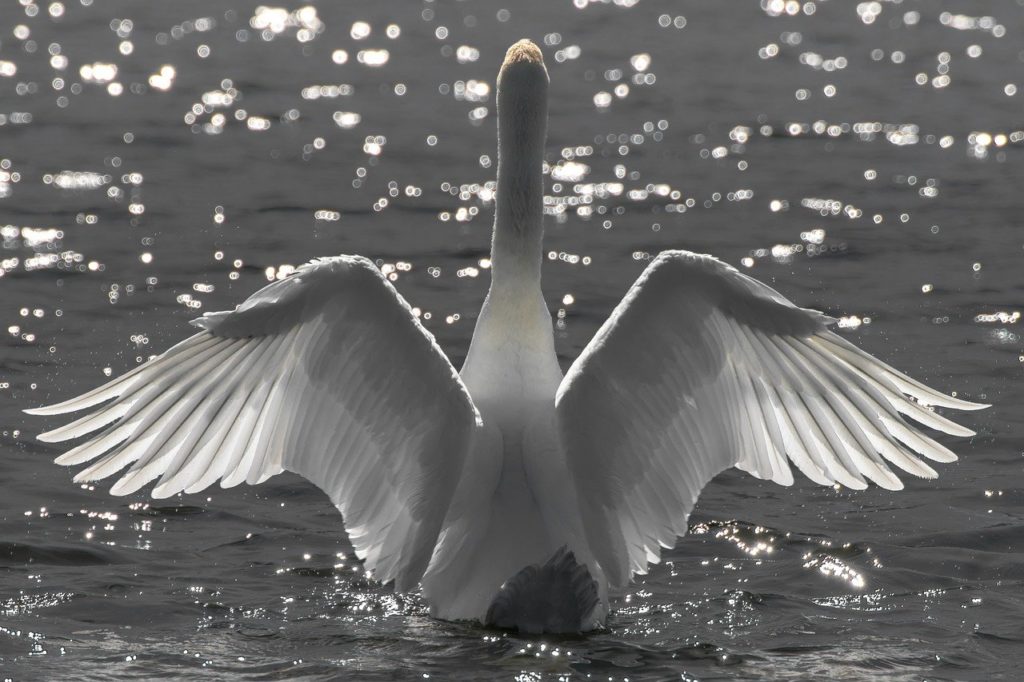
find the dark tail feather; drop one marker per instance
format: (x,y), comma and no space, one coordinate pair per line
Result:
(553,597)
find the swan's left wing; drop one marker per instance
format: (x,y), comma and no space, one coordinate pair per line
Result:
(326,373)
(701,368)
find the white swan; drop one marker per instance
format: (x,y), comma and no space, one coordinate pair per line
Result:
(516,496)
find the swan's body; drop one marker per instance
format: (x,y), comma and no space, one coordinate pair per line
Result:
(507,473)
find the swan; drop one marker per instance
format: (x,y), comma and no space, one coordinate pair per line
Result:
(513,495)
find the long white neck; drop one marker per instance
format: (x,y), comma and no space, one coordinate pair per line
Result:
(513,349)
(516,249)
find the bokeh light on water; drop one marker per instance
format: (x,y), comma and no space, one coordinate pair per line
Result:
(161,160)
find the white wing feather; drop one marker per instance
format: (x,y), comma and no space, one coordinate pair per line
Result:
(701,368)
(326,373)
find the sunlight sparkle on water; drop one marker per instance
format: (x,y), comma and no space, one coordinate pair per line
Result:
(273,21)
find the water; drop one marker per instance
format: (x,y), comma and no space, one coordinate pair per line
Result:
(864,159)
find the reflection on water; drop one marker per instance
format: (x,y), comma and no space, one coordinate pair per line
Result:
(165,159)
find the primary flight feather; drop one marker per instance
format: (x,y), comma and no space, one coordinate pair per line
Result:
(513,495)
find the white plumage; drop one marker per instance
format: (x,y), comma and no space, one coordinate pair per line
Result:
(330,360)
(462,481)
(701,368)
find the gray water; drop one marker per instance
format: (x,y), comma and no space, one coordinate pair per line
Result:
(865,159)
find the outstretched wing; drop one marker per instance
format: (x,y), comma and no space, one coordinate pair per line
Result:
(326,373)
(701,368)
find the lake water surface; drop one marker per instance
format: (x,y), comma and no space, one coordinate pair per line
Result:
(159,160)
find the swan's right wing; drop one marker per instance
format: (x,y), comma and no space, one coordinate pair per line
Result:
(327,374)
(701,368)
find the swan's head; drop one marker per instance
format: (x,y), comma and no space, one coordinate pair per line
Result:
(523,71)
(523,51)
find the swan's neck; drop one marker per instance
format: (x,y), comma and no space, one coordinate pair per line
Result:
(516,248)
(513,347)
